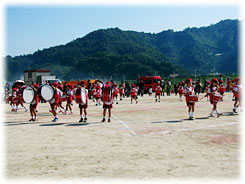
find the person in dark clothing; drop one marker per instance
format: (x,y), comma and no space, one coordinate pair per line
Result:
(176,90)
(89,86)
(168,87)
(141,87)
(127,89)
(163,87)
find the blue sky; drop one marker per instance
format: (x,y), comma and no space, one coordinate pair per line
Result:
(29,28)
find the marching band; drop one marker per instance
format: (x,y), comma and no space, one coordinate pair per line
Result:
(108,93)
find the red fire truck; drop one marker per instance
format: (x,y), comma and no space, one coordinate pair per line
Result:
(150,81)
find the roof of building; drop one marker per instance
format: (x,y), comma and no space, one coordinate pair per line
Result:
(38,70)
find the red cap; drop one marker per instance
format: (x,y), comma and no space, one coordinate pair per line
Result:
(14,89)
(60,87)
(55,84)
(214,80)
(35,85)
(180,83)
(221,81)
(188,80)
(208,82)
(133,85)
(115,85)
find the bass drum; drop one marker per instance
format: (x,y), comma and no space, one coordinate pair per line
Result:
(80,96)
(26,94)
(45,92)
(107,95)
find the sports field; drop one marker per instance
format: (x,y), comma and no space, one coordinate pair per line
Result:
(147,140)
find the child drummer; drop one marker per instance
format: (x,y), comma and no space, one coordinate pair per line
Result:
(181,91)
(13,98)
(121,91)
(115,92)
(237,94)
(83,107)
(133,94)
(221,88)
(106,106)
(212,90)
(33,105)
(55,101)
(189,90)
(69,95)
(158,91)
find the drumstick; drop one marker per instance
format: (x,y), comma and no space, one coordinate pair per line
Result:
(203,97)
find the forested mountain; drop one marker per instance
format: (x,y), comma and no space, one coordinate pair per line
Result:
(113,52)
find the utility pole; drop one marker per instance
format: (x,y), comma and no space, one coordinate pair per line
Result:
(195,75)
(174,77)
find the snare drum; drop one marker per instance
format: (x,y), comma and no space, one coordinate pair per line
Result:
(217,98)
(26,94)
(14,99)
(63,98)
(80,96)
(192,98)
(45,92)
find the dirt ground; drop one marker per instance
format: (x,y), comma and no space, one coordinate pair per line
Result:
(147,140)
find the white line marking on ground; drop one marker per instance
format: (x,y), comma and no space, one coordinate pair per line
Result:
(125,125)
(198,128)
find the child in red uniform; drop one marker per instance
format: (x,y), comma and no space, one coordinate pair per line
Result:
(221,88)
(69,96)
(18,101)
(189,90)
(93,93)
(133,94)
(55,101)
(13,99)
(33,105)
(212,90)
(83,107)
(115,93)
(121,91)
(237,94)
(106,104)
(60,102)
(181,91)
(158,91)
(98,95)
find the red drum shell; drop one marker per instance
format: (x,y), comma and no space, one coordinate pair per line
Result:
(107,95)
(63,99)
(14,99)
(217,98)
(192,98)
(20,94)
(77,95)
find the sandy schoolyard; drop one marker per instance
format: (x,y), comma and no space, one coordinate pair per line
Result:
(147,140)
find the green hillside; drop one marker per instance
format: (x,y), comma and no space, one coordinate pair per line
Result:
(113,52)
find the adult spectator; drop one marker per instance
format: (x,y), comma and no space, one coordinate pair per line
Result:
(162,84)
(168,87)
(89,87)
(141,87)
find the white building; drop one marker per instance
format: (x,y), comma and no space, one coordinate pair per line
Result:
(37,75)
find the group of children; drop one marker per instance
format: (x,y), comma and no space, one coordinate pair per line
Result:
(186,91)
(215,91)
